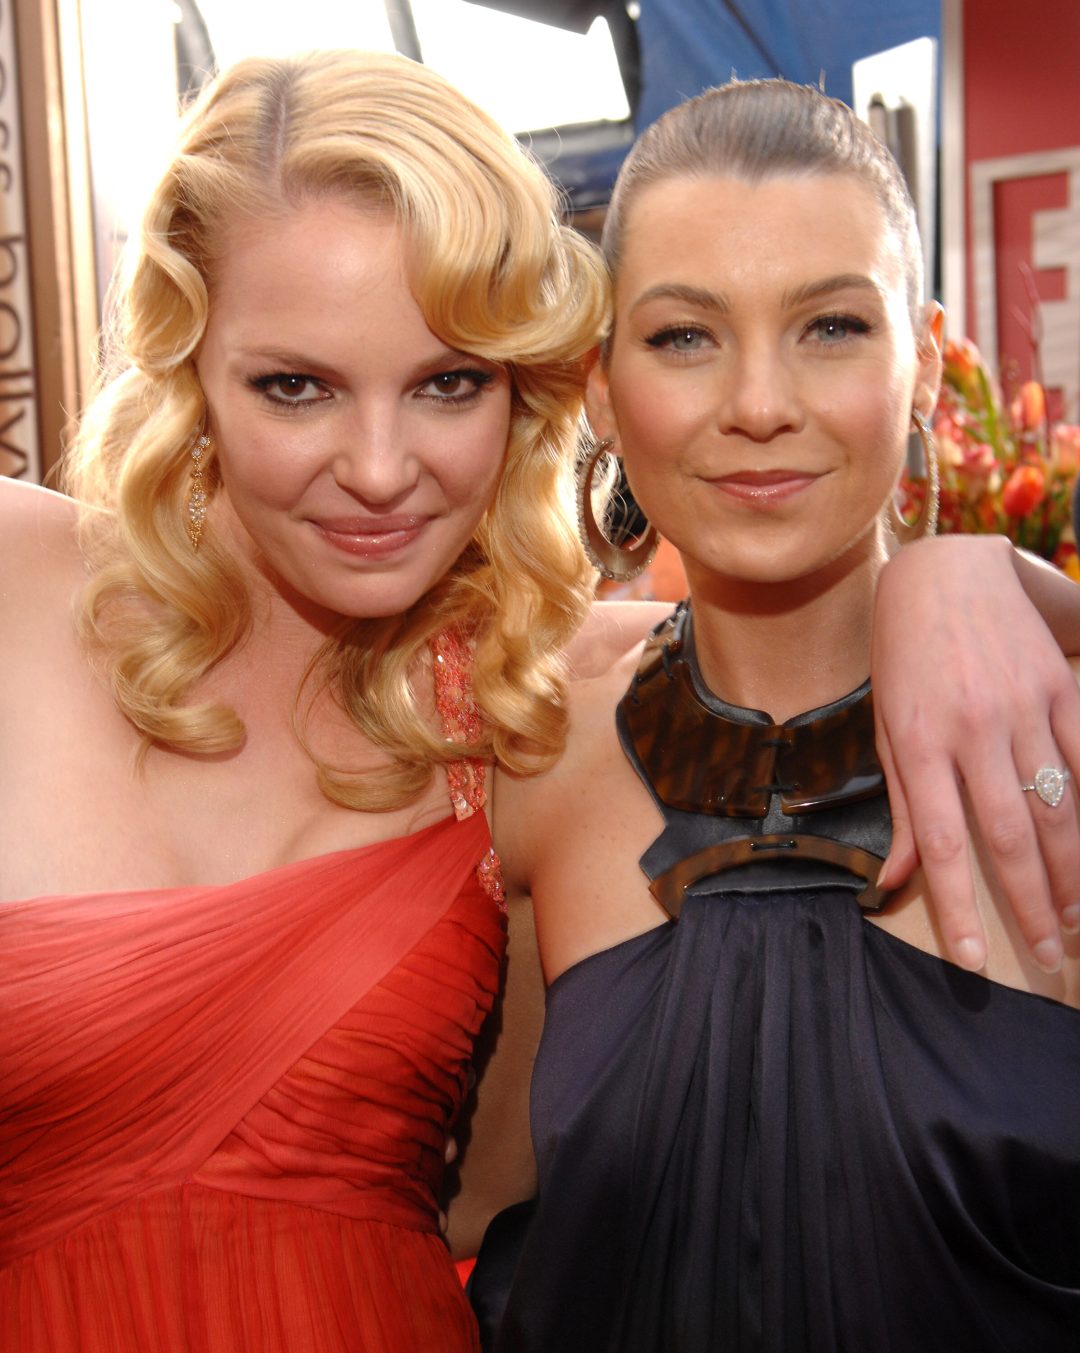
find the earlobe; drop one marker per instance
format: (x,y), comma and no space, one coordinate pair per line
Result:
(598,403)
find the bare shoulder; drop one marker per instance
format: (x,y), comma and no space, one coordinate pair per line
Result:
(40,560)
(611,630)
(35,521)
(531,811)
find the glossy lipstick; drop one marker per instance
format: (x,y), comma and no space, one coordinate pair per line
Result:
(763,488)
(370,537)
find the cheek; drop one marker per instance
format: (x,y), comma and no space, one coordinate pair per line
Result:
(261,471)
(472,471)
(651,426)
(871,418)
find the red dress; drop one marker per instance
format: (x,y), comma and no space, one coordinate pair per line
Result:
(223,1109)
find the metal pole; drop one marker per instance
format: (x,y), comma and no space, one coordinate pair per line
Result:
(399,15)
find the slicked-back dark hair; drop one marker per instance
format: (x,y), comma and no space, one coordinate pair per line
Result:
(761,129)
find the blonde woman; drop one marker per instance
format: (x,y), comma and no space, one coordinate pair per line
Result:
(315,573)
(312,576)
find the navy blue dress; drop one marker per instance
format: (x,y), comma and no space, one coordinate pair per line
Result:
(772,1126)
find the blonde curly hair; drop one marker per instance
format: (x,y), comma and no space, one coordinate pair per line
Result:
(494,274)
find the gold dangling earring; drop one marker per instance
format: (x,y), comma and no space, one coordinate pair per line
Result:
(611,561)
(196,503)
(926,523)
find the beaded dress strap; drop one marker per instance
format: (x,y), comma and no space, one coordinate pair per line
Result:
(452,673)
(460,718)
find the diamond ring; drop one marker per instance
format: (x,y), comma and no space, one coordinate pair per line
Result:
(1049,784)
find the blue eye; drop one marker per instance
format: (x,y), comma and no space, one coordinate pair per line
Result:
(685,338)
(837,328)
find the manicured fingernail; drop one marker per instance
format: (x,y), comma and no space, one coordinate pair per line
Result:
(1048,954)
(970,954)
(1070,918)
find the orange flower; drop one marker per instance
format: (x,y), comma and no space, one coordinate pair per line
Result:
(961,357)
(986,514)
(1024,491)
(1004,467)
(1029,410)
(1065,448)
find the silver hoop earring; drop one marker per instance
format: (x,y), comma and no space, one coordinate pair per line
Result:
(197,496)
(611,561)
(926,523)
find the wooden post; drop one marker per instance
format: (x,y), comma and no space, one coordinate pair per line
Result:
(48,295)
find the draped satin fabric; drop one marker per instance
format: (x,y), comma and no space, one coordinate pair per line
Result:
(774,1127)
(223,1110)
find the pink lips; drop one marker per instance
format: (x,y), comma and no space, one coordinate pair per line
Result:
(762,488)
(370,537)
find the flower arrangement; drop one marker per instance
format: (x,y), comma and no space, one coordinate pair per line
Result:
(1004,467)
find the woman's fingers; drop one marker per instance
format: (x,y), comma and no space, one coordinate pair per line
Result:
(973,697)
(1065,835)
(938,828)
(1031,852)
(903,857)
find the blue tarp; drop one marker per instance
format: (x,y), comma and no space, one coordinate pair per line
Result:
(687,45)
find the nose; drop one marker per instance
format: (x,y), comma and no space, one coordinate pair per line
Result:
(374,459)
(760,397)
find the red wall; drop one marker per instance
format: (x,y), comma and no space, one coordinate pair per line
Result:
(1021,94)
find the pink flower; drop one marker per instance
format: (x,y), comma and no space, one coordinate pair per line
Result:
(949,438)
(1024,490)
(979,459)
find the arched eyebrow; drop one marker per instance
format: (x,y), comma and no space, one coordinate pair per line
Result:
(845,281)
(701,297)
(705,299)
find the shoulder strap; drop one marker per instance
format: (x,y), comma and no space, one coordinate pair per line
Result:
(452,657)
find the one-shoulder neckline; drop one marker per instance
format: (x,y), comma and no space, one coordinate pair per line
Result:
(328,858)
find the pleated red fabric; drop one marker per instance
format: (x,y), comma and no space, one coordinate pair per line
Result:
(223,1110)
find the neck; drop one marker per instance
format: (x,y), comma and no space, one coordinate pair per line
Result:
(786,647)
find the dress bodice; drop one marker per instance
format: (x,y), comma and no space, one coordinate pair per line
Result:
(223,1110)
(769,1125)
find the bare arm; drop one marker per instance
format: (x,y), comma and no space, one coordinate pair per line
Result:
(495,1165)
(972,691)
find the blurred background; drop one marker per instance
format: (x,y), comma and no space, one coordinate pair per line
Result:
(976,98)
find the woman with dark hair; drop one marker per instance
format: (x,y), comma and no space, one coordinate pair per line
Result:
(315,574)
(767,1112)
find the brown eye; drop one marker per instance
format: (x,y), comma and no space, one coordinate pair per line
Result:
(454,387)
(449,383)
(290,388)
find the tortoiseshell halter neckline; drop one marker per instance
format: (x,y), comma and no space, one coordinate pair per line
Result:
(695,758)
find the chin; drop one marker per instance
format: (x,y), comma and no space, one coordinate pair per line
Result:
(373,596)
(759,565)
